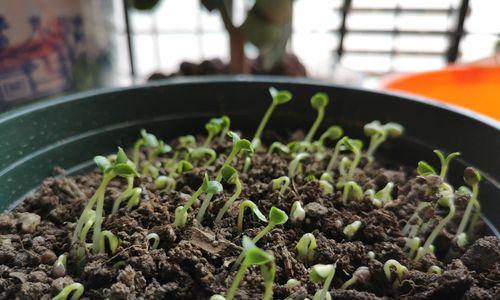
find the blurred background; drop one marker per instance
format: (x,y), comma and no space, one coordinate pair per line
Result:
(444,49)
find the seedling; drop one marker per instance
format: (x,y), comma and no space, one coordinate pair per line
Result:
(149,167)
(413,244)
(297,213)
(318,101)
(435,270)
(213,127)
(133,196)
(472,177)
(156,240)
(279,147)
(384,196)
(230,175)
(352,191)
(322,274)
(412,226)
(378,133)
(279,97)
(425,169)
(351,229)
(121,167)
(306,246)
(326,187)
(268,272)
(113,241)
(332,133)
(281,184)
(255,210)
(291,283)
(362,274)
(295,166)
(217,297)
(165,183)
(88,221)
(224,123)
(148,140)
(447,200)
(400,270)
(59,266)
(198,154)
(74,291)
(253,256)
(239,145)
(208,187)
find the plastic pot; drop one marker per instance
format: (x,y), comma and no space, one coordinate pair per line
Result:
(69,131)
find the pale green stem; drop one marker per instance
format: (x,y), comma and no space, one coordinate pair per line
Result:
(124,195)
(189,203)
(354,164)
(237,279)
(468,210)
(263,122)
(435,232)
(137,147)
(266,229)
(99,214)
(335,155)
(231,200)
(268,286)
(349,282)
(375,141)
(326,286)
(317,122)
(209,139)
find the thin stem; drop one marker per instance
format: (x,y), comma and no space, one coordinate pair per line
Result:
(191,200)
(268,283)
(335,155)
(317,122)
(209,139)
(468,210)
(137,147)
(263,122)
(435,232)
(326,286)
(230,202)
(266,229)
(237,279)
(349,282)
(99,212)
(124,195)
(354,164)
(375,141)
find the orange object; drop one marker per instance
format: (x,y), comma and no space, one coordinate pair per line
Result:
(473,87)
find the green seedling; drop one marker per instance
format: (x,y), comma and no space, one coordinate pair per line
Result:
(362,274)
(230,175)
(297,213)
(200,153)
(352,191)
(295,166)
(351,229)
(241,212)
(224,123)
(253,256)
(247,164)
(327,177)
(371,255)
(412,244)
(149,167)
(74,291)
(378,134)
(412,226)
(472,177)
(121,167)
(447,200)
(282,183)
(322,274)
(156,240)
(305,247)
(400,270)
(213,128)
(88,221)
(279,97)
(435,270)
(148,140)
(133,199)
(268,272)
(341,146)
(277,146)
(332,133)
(384,196)
(168,183)
(239,146)
(291,283)
(113,241)
(326,187)
(318,101)
(354,147)
(425,169)
(208,187)
(186,142)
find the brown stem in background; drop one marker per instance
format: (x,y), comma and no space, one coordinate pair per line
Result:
(238,61)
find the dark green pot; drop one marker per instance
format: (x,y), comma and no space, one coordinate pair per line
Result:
(70,131)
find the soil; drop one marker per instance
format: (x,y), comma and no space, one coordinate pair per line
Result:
(195,262)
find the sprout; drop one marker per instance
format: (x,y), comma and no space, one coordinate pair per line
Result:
(378,133)
(306,246)
(149,168)
(435,270)
(400,270)
(230,175)
(268,273)
(447,200)
(165,183)
(239,145)
(199,153)
(208,187)
(425,169)
(279,97)
(297,213)
(412,230)
(124,195)
(295,166)
(247,164)
(371,255)
(156,240)
(332,133)
(187,141)
(413,244)
(281,184)
(472,177)
(253,208)
(278,146)
(384,195)
(213,127)
(59,267)
(147,139)
(352,191)
(326,187)
(121,167)
(362,274)
(318,101)
(224,123)
(322,274)
(113,241)
(217,297)
(351,229)
(75,290)
(291,283)
(327,177)
(341,146)
(354,147)
(88,221)
(253,256)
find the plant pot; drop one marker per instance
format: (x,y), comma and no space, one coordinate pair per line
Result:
(69,131)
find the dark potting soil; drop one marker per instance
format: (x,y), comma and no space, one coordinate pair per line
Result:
(195,262)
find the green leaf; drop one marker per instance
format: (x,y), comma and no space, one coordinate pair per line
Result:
(253,254)
(319,100)
(280,97)
(187,141)
(277,216)
(125,170)
(163,148)
(213,127)
(394,130)
(184,166)
(425,169)
(372,128)
(102,163)
(214,187)
(149,139)
(471,176)
(256,211)
(229,173)
(234,136)
(121,157)
(244,145)
(319,272)
(351,145)
(333,133)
